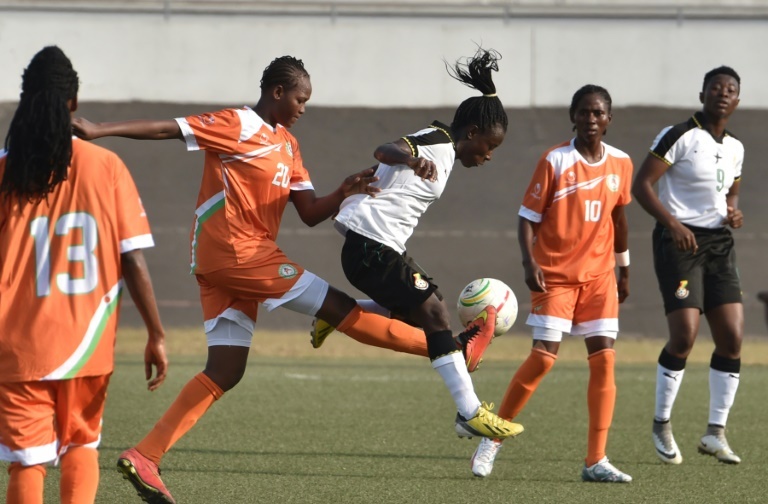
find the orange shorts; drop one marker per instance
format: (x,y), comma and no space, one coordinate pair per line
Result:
(235,293)
(578,309)
(40,420)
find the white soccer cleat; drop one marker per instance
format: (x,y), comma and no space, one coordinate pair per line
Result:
(485,454)
(666,448)
(714,443)
(604,472)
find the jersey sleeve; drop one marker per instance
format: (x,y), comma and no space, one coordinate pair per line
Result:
(738,165)
(300,180)
(625,196)
(132,223)
(537,195)
(665,146)
(214,131)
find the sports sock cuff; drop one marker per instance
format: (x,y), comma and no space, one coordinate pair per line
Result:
(604,353)
(671,362)
(440,343)
(214,389)
(544,353)
(352,317)
(724,364)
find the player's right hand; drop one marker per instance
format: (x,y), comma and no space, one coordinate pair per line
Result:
(534,277)
(684,238)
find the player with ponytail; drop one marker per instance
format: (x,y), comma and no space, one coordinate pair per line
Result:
(413,172)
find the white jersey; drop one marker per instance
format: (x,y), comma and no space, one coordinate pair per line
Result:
(391,216)
(701,171)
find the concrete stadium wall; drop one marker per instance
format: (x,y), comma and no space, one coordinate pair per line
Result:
(385,61)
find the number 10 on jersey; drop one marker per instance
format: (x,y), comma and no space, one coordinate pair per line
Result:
(592,210)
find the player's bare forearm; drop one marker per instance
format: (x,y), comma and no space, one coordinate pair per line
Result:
(139,284)
(394,153)
(138,130)
(313,210)
(534,276)
(620,230)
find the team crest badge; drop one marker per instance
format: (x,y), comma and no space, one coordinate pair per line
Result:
(287,271)
(419,282)
(612,181)
(289,149)
(682,291)
(570,177)
(206,119)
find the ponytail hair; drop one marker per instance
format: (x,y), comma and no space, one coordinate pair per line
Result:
(39,140)
(484,111)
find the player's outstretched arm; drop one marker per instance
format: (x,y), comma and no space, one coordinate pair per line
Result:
(139,283)
(313,210)
(138,130)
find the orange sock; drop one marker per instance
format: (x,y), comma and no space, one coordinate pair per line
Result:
(525,382)
(79,475)
(601,399)
(25,485)
(190,405)
(375,330)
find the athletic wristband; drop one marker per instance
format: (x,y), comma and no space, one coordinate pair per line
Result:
(622,258)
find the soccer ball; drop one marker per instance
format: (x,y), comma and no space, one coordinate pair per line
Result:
(482,292)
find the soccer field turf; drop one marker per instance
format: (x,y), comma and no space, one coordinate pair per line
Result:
(322,429)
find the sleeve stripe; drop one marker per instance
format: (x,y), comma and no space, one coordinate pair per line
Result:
(529,214)
(136,242)
(189,134)
(662,158)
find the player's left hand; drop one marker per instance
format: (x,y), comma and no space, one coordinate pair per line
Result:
(154,356)
(734,218)
(623,284)
(360,183)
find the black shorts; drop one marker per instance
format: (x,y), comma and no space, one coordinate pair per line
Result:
(391,279)
(704,280)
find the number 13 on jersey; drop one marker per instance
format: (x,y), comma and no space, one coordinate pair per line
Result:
(80,253)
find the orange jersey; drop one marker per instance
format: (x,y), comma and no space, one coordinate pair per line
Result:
(249,173)
(571,201)
(60,273)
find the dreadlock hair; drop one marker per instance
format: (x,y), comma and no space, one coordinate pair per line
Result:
(39,140)
(721,70)
(484,111)
(284,71)
(588,90)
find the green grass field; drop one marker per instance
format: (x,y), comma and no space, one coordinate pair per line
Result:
(350,424)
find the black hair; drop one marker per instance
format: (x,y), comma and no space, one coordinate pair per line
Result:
(588,90)
(484,111)
(284,71)
(721,70)
(39,140)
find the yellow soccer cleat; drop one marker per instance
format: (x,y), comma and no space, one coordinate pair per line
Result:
(320,330)
(486,424)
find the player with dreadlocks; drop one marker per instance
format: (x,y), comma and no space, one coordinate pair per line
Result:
(253,167)
(413,172)
(71,232)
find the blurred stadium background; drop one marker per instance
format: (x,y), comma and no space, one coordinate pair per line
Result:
(377,71)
